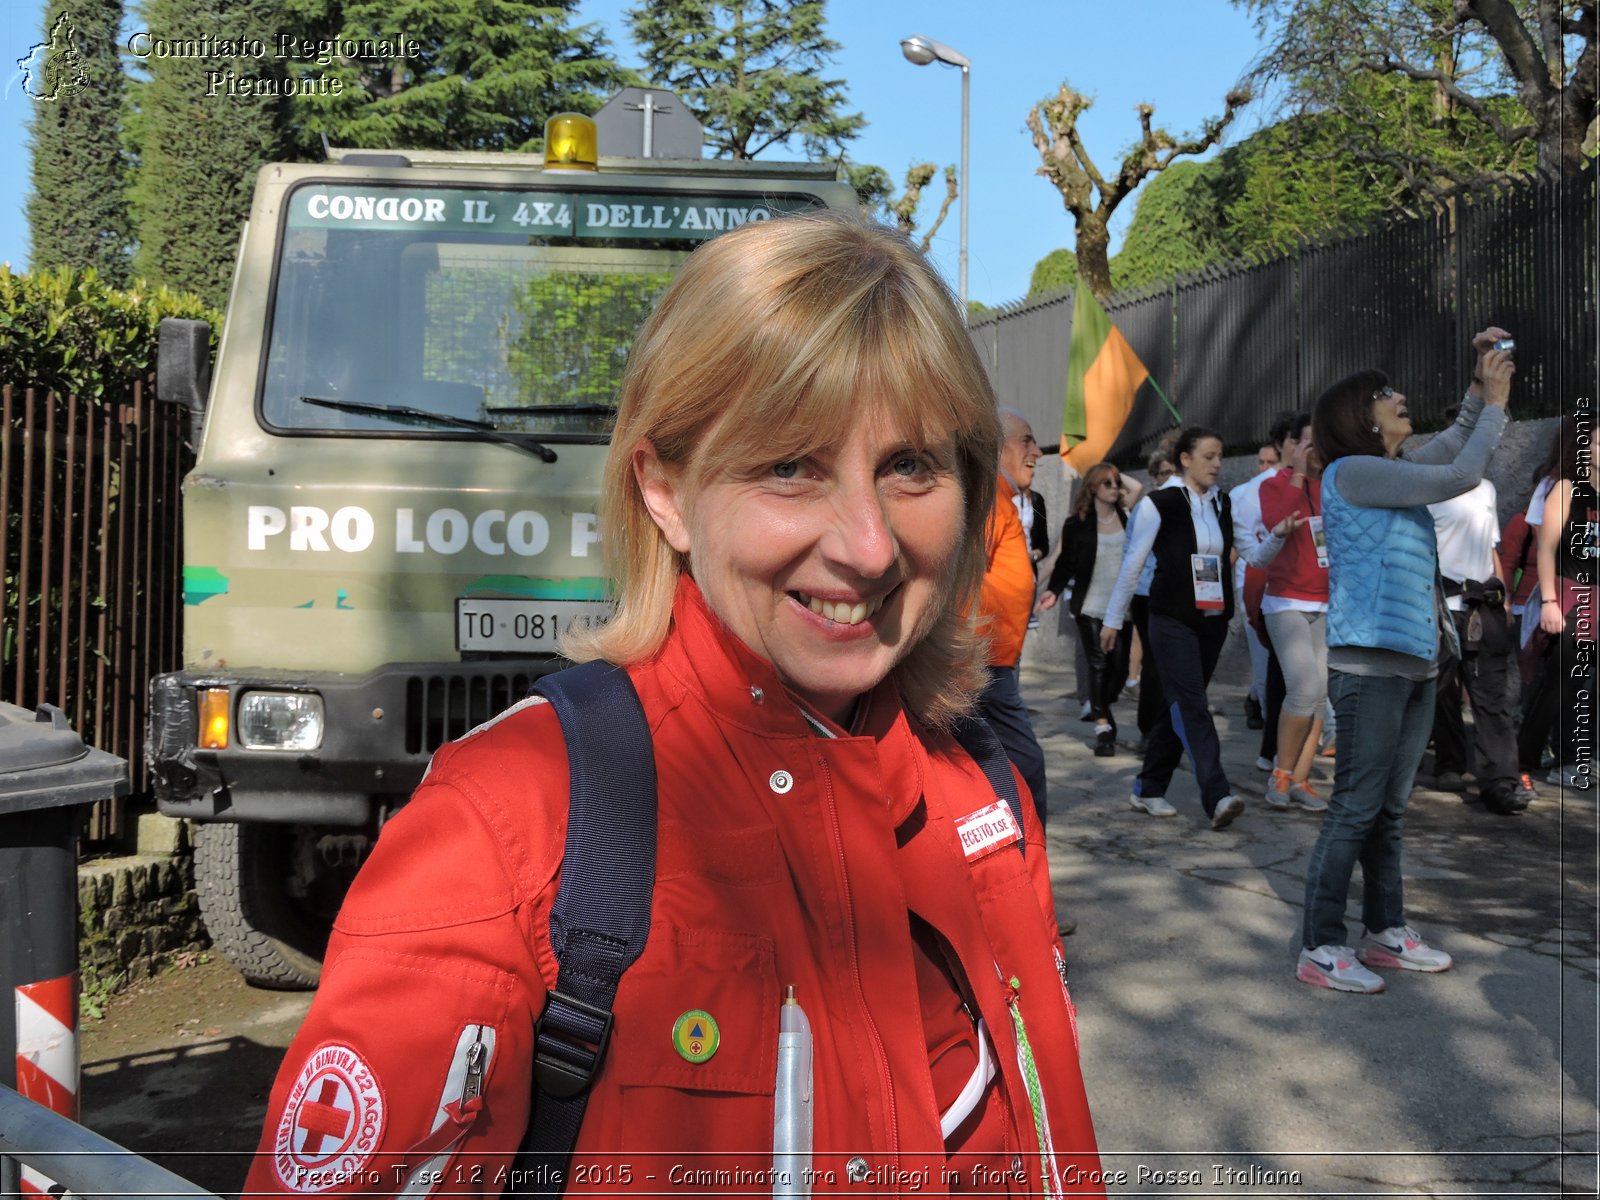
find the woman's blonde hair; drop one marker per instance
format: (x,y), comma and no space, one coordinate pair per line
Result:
(771,344)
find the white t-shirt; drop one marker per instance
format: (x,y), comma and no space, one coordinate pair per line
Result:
(1248,531)
(1536,504)
(1468,529)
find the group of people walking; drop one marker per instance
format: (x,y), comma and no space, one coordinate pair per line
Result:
(1357,619)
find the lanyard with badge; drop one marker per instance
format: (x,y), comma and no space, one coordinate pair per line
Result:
(1314,524)
(1205,572)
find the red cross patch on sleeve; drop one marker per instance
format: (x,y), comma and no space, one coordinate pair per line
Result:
(332,1123)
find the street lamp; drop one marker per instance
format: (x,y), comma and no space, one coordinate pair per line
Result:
(922,51)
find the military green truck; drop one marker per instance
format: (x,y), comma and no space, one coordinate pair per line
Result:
(392,513)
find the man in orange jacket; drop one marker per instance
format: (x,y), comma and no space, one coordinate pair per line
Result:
(1005,604)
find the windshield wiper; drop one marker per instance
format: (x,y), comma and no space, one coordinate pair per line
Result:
(555,410)
(483,429)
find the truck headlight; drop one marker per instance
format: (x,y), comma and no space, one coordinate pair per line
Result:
(280,721)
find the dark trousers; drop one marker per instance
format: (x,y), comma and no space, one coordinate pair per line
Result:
(1107,672)
(1562,701)
(1272,704)
(1152,699)
(1188,656)
(1001,705)
(1482,675)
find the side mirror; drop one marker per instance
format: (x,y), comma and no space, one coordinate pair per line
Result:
(183,363)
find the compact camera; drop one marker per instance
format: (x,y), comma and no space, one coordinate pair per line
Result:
(1507,344)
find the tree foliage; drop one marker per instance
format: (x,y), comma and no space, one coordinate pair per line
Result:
(485,76)
(1056,270)
(199,143)
(1091,196)
(574,333)
(752,71)
(77,206)
(1443,92)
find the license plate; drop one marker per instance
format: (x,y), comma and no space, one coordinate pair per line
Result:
(524,626)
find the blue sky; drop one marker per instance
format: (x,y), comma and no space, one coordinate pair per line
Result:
(1180,55)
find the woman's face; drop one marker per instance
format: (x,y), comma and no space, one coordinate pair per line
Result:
(1203,464)
(1391,416)
(830,567)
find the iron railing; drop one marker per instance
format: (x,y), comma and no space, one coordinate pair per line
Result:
(1237,344)
(91,545)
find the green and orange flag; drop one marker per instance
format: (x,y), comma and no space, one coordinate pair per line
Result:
(1103,376)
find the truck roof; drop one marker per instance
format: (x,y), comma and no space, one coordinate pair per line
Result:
(715,168)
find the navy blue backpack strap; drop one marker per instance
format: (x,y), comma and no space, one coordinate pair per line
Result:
(601,917)
(979,740)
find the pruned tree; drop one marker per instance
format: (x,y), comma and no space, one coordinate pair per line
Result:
(78,206)
(1518,75)
(1088,194)
(904,210)
(463,76)
(752,71)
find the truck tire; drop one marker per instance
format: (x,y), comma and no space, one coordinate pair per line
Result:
(242,877)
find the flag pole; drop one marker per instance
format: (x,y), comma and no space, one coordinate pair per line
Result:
(1176,416)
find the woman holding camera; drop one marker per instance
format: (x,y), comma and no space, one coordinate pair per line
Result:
(1386,622)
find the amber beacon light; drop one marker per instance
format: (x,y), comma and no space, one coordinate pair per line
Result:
(570,143)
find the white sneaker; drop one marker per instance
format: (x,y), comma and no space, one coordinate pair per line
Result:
(1156,806)
(1401,947)
(1336,967)
(1263,763)
(1227,809)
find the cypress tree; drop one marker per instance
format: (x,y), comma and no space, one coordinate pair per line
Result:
(77,207)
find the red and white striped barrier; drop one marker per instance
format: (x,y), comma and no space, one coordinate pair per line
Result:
(47,1055)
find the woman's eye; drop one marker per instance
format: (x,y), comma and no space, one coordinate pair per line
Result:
(786,470)
(907,466)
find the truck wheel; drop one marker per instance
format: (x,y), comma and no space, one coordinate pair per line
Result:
(267,901)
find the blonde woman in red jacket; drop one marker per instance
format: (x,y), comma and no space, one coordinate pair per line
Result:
(1295,609)
(794,505)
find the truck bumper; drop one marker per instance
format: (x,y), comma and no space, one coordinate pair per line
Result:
(380,730)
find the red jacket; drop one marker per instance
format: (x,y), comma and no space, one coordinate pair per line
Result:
(1294,573)
(783,858)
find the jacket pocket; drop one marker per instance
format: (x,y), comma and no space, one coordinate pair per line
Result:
(695,1053)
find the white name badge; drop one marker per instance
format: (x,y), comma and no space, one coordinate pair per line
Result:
(987,830)
(1207,572)
(1319,540)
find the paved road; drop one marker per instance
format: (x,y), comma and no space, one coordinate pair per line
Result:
(1210,1067)
(1207,1060)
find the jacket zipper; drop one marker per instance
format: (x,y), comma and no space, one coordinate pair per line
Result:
(457,1113)
(855,962)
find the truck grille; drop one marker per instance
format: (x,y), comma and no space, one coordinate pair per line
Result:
(440,708)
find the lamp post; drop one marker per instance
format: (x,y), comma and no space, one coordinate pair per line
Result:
(922,51)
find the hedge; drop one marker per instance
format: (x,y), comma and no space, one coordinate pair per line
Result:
(66,331)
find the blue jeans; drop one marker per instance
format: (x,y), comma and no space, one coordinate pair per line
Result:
(1384,723)
(1001,705)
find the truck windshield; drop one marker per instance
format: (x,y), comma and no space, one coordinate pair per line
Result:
(511,307)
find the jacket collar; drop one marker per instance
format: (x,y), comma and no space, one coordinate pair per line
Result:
(743,689)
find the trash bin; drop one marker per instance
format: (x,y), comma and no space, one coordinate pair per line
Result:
(48,777)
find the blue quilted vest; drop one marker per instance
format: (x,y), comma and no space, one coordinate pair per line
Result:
(1382,567)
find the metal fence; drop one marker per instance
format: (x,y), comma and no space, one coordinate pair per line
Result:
(1237,344)
(91,543)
